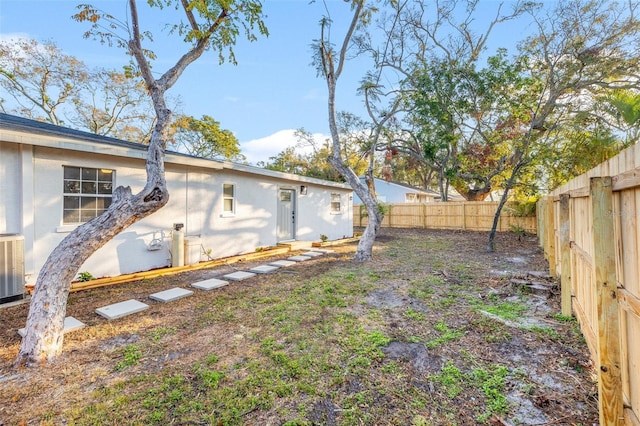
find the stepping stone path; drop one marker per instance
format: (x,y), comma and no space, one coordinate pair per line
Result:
(171,294)
(121,309)
(209,284)
(263,269)
(299,258)
(132,306)
(70,324)
(239,276)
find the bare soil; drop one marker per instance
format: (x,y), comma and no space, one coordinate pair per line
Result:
(434,331)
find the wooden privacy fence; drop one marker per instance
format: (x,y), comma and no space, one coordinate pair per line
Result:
(591,238)
(470,215)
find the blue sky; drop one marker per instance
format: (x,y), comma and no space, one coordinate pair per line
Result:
(271,92)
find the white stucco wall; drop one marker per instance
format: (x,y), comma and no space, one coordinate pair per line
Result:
(195,200)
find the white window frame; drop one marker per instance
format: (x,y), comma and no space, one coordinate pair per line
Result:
(231,198)
(87,189)
(333,203)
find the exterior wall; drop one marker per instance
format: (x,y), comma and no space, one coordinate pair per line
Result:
(10,189)
(195,201)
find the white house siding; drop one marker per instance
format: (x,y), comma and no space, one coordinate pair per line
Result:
(10,189)
(31,186)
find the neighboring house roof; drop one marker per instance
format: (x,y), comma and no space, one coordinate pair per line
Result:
(409,187)
(396,192)
(404,186)
(31,132)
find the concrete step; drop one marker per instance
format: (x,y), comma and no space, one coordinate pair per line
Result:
(264,269)
(239,276)
(312,253)
(299,258)
(171,294)
(121,309)
(70,324)
(210,284)
(283,263)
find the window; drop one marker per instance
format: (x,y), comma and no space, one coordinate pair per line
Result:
(228,198)
(86,193)
(336,206)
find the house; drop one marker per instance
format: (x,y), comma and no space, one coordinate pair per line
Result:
(396,192)
(53,178)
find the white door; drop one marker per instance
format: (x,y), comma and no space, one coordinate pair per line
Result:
(286,215)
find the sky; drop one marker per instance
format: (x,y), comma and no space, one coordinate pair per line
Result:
(273,90)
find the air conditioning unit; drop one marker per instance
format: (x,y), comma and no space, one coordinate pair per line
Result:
(11,267)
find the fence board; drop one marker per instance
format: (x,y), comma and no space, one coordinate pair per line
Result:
(602,296)
(470,215)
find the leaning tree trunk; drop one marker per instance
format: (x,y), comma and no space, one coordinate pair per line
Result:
(364,251)
(45,321)
(491,245)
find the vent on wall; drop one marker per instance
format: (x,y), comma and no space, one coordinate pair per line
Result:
(11,267)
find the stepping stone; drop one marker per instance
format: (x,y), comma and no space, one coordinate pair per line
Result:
(264,269)
(282,263)
(209,284)
(312,253)
(122,309)
(171,294)
(239,276)
(299,258)
(70,324)
(324,251)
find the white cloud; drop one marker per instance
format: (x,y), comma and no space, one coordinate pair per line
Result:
(14,37)
(269,146)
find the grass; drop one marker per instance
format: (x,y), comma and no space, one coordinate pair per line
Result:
(302,348)
(446,335)
(131,356)
(506,310)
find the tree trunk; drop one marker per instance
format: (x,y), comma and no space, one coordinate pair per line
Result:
(476,194)
(332,72)
(491,247)
(364,252)
(45,321)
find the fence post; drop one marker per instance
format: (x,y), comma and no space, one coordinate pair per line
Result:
(464,215)
(550,237)
(610,399)
(565,255)
(424,216)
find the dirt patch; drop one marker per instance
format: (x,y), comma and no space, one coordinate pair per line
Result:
(414,353)
(434,331)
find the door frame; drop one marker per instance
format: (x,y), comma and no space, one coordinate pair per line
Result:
(293,219)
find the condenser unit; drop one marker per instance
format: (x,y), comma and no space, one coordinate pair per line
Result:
(11,267)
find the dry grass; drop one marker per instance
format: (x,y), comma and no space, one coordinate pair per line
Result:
(400,340)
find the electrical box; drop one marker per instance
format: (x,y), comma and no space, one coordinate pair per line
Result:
(11,267)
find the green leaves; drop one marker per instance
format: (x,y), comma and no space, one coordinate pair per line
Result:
(204,138)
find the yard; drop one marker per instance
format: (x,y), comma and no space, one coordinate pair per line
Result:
(435,331)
